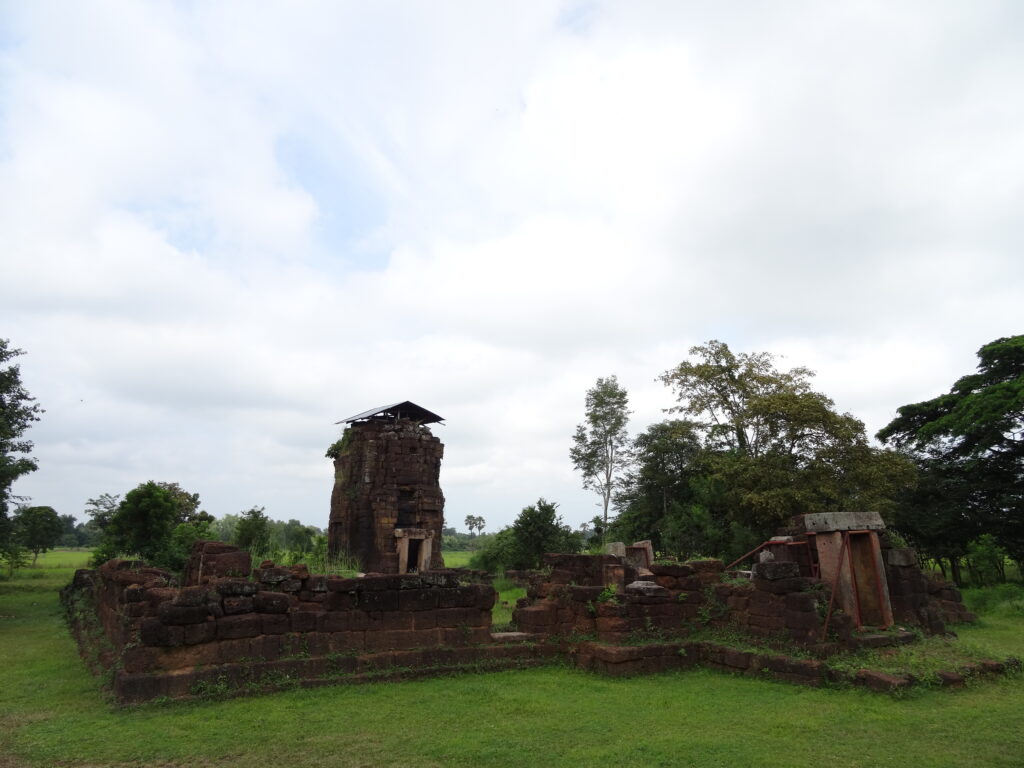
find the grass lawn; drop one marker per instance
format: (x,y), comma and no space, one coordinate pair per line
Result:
(53,713)
(457,559)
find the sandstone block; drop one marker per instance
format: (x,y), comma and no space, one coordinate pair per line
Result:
(236,587)
(772,570)
(270,602)
(182,614)
(274,623)
(235,627)
(235,605)
(200,633)
(152,631)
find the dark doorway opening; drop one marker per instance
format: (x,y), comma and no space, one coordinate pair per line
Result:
(413,563)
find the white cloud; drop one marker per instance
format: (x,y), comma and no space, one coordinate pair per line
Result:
(224,227)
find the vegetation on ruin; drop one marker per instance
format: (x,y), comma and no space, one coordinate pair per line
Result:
(53,712)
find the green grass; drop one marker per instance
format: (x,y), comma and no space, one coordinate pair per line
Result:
(457,559)
(508,593)
(53,713)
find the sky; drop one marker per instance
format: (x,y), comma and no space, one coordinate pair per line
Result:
(225,226)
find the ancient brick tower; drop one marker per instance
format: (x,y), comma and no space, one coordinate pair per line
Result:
(387,509)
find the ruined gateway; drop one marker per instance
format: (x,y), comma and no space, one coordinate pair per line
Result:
(387,509)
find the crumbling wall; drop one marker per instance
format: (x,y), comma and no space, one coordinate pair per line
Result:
(386,477)
(919,600)
(164,641)
(776,603)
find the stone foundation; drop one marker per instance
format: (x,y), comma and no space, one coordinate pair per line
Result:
(284,624)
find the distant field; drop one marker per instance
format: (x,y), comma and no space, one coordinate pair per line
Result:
(53,713)
(456,559)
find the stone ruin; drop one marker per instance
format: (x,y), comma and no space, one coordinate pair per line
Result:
(387,509)
(834,582)
(234,627)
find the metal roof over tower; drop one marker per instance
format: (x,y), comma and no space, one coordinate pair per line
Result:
(403,410)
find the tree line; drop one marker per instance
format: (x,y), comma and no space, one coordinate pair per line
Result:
(749,446)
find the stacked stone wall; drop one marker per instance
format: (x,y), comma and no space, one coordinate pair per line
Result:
(153,632)
(919,600)
(776,603)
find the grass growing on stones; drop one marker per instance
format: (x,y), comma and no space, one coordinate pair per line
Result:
(53,713)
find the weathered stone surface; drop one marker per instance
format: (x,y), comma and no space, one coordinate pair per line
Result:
(386,483)
(271,602)
(191,596)
(154,632)
(773,570)
(182,614)
(879,681)
(646,588)
(235,605)
(675,570)
(236,587)
(901,557)
(235,627)
(843,521)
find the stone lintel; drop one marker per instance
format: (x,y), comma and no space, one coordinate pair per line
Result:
(413,533)
(843,521)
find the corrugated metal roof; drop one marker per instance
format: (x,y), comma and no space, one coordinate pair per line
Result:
(404,410)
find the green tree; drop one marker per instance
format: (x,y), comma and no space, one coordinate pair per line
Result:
(37,528)
(774,447)
(974,437)
(297,537)
(142,525)
(539,529)
(253,530)
(600,450)
(101,509)
(18,410)
(224,528)
(179,545)
(187,505)
(13,554)
(666,456)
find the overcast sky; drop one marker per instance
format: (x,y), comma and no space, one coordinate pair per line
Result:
(226,226)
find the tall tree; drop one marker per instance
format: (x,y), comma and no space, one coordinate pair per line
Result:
(187,505)
(973,438)
(18,410)
(38,529)
(600,450)
(142,525)
(102,509)
(776,447)
(253,530)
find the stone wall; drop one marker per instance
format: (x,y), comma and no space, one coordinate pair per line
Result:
(160,640)
(386,479)
(775,603)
